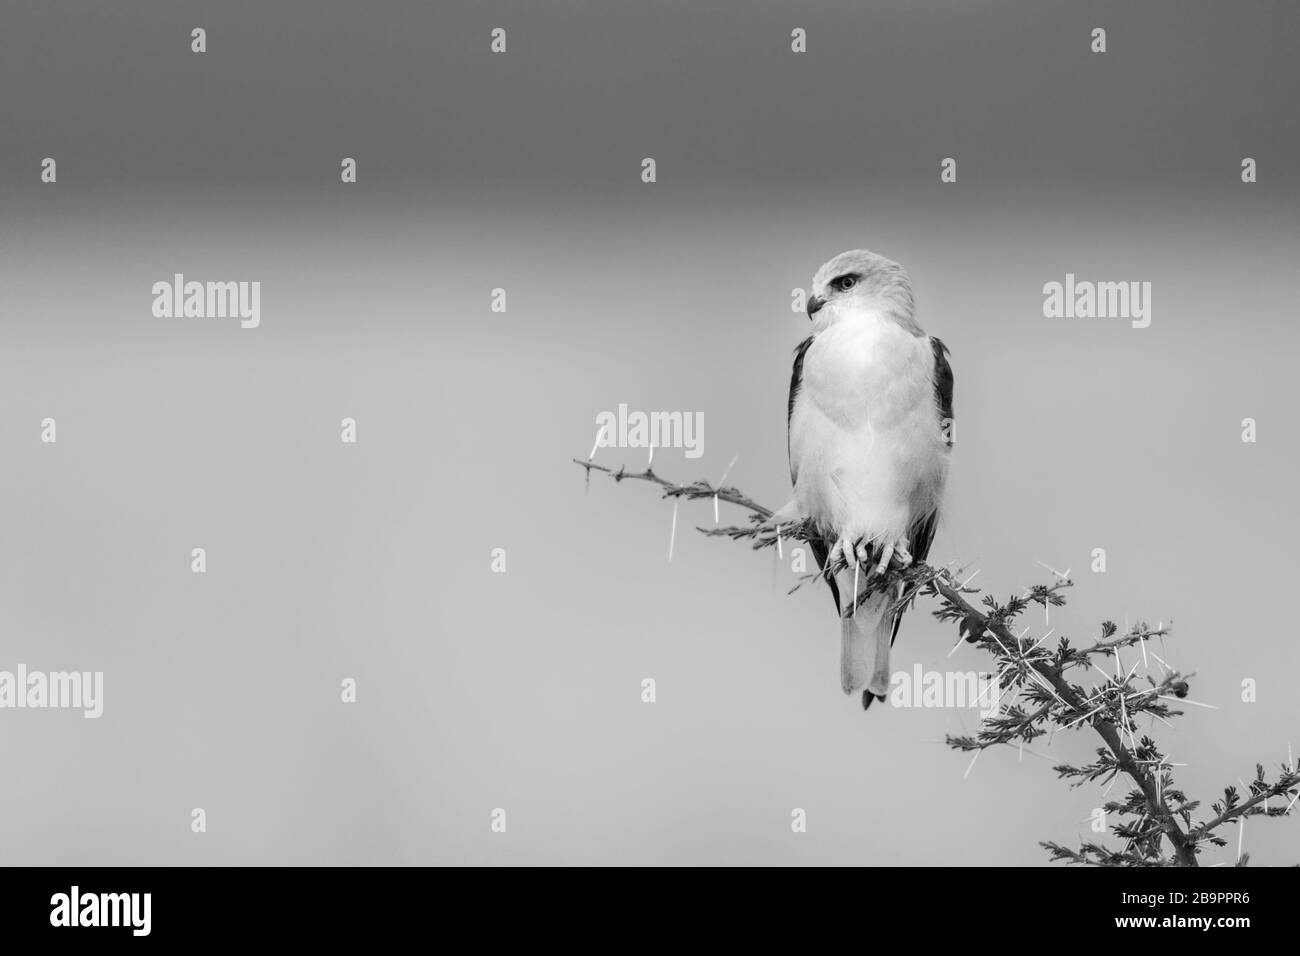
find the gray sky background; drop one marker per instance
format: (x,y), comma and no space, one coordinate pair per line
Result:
(480,690)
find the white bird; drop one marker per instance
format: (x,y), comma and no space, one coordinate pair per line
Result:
(870,433)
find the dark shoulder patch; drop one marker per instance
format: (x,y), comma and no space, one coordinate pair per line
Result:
(796,380)
(796,377)
(943,385)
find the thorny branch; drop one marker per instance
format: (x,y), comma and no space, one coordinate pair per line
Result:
(1044,696)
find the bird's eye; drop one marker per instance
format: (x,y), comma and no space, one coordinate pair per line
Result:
(845,283)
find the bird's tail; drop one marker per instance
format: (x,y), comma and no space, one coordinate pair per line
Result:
(865,638)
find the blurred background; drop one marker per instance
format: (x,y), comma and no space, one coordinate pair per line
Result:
(522,690)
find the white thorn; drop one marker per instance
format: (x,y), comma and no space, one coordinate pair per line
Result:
(718,488)
(1184,700)
(997,682)
(1084,717)
(599,435)
(728,471)
(672,538)
(1040,640)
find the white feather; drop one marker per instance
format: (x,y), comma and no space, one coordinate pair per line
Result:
(868,455)
(865,445)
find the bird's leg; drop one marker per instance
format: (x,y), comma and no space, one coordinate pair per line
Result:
(836,553)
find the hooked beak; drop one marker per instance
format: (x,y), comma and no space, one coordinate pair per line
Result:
(814,304)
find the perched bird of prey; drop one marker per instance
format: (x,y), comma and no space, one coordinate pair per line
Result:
(869,439)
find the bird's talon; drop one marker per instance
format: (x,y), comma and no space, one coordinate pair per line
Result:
(902,556)
(846,552)
(886,554)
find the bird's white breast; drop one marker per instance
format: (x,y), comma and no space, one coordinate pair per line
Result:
(865,440)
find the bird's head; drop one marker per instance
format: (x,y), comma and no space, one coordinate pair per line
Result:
(860,281)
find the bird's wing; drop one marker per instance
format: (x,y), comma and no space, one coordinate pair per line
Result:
(821,547)
(942,382)
(796,382)
(922,535)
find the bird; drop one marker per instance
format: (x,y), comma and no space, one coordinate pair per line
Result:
(869,436)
